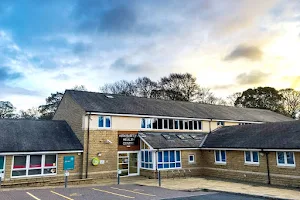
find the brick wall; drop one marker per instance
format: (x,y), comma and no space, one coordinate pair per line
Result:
(236,168)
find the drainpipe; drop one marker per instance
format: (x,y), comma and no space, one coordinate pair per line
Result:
(87,147)
(268,167)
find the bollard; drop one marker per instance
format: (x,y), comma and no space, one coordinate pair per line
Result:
(0,181)
(119,173)
(66,178)
(159,179)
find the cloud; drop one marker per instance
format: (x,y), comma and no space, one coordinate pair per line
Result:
(294,81)
(252,78)
(6,74)
(123,64)
(248,52)
(9,90)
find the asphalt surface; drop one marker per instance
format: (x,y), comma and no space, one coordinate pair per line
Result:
(116,192)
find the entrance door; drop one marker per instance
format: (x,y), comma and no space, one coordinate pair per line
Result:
(128,164)
(2,166)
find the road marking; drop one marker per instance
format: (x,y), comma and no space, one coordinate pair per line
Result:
(33,196)
(62,195)
(121,195)
(152,195)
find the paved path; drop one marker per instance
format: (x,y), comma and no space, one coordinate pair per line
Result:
(115,192)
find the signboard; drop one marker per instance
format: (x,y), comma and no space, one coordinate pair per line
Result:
(128,139)
(69,162)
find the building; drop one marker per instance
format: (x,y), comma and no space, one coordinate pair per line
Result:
(139,136)
(31,149)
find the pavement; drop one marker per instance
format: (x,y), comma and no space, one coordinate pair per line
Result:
(185,188)
(116,192)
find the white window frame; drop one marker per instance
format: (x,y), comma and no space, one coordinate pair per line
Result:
(251,162)
(169,162)
(220,156)
(27,166)
(220,123)
(193,156)
(285,164)
(104,122)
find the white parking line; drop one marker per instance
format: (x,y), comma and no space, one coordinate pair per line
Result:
(121,195)
(62,195)
(33,196)
(152,195)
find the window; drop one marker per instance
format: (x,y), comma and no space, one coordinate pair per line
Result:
(176,123)
(166,124)
(192,158)
(104,122)
(169,159)
(146,123)
(220,156)
(34,165)
(186,125)
(251,157)
(199,125)
(285,159)
(160,123)
(154,123)
(191,125)
(146,159)
(171,121)
(181,125)
(220,123)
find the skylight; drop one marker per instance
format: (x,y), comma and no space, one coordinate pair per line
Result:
(167,137)
(196,137)
(181,137)
(109,96)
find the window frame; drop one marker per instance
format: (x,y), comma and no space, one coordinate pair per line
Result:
(104,122)
(220,123)
(27,166)
(193,161)
(285,164)
(147,121)
(251,162)
(169,162)
(220,156)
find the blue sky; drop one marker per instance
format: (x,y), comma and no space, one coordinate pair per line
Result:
(49,46)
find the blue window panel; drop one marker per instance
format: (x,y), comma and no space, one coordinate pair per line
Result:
(150,166)
(217,153)
(146,165)
(166,166)
(172,165)
(150,156)
(223,154)
(166,156)
(146,156)
(142,156)
(290,158)
(107,122)
(280,157)
(148,123)
(100,122)
(159,156)
(172,156)
(143,123)
(143,165)
(160,166)
(248,156)
(178,164)
(177,155)
(255,156)
(176,124)
(191,158)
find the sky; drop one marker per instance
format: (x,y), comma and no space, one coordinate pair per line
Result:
(48,46)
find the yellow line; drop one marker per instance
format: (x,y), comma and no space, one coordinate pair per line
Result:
(62,195)
(152,195)
(33,196)
(121,195)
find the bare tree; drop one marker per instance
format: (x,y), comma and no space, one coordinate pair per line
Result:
(232,98)
(120,87)
(291,101)
(145,86)
(32,113)
(79,88)
(6,109)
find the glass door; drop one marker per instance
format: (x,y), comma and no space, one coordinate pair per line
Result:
(133,164)
(128,163)
(123,163)
(2,166)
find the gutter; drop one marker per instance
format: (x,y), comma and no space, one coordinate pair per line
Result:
(268,166)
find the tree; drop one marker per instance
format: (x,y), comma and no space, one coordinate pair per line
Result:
(261,97)
(181,87)
(120,87)
(232,98)
(79,88)
(204,95)
(6,109)
(32,113)
(48,110)
(145,86)
(291,101)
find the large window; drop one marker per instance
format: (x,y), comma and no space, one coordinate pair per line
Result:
(170,124)
(220,156)
(146,156)
(285,158)
(251,157)
(34,165)
(169,159)
(104,122)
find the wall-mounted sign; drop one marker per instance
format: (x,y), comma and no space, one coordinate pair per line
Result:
(128,139)
(95,161)
(69,162)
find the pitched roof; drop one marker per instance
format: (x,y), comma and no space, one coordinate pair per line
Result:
(278,135)
(37,135)
(167,140)
(120,104)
